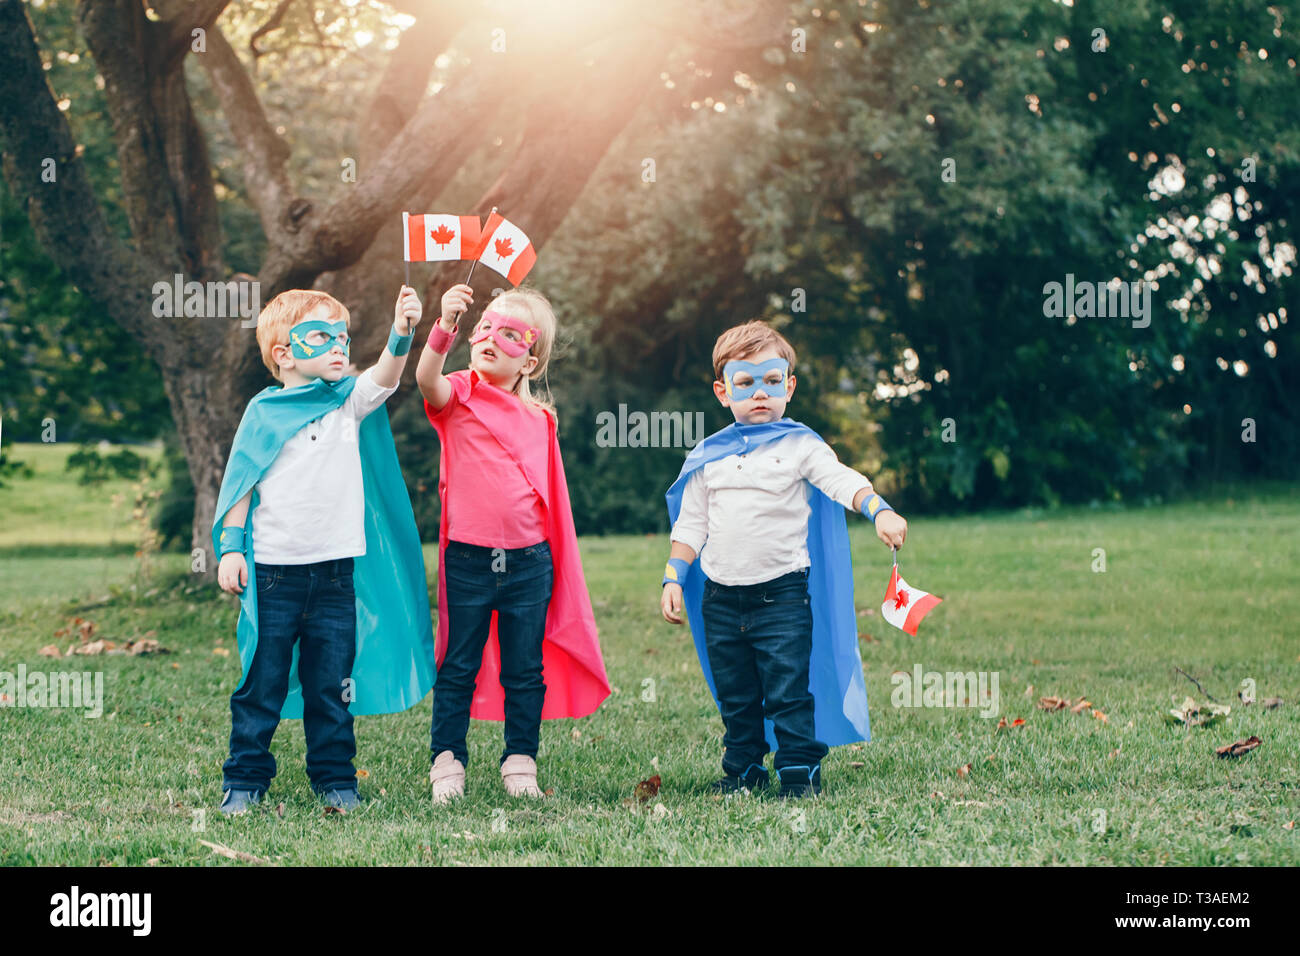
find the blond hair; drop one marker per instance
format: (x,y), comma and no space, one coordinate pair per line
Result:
(529,305)
(284,312)
(749,339)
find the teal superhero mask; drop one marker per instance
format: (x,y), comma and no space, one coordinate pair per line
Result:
(776,369)
(309,340)
(394,667)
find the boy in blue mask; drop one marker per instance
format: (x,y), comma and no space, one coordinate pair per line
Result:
(316,535)
(760,561)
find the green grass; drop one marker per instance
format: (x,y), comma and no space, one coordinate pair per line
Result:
(1212,587)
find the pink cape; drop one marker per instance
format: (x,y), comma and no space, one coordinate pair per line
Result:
(572,666)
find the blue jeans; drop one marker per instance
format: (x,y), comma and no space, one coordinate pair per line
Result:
(516,583)
(314,605)
(759,641)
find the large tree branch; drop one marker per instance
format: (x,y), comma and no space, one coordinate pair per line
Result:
(264,153)
(64,213)
(402,85)
(182,19)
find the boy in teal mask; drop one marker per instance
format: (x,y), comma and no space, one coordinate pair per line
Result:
(317,537)
(760,560)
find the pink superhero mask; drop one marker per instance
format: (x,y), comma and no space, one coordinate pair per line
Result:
(513,336)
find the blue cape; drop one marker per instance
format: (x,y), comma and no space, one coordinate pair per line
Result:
(394,667)
(839,692)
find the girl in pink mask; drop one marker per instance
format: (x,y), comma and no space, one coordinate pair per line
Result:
(516,636)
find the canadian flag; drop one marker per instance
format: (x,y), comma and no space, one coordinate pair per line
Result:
(433,237)
(905,605)
(505,249)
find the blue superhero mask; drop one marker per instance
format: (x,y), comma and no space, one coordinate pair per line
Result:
(309,340)
(770,376)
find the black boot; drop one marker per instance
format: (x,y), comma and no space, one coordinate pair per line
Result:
(752,780)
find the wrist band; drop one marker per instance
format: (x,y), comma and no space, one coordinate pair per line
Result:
(873,505)
(232,539)
(675,573)
(440,339)
(399,344)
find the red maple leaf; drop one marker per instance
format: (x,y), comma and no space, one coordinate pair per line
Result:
(442,235)
(503,248)
(900,600)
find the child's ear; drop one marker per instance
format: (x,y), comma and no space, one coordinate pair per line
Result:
(720,390)
(282,355)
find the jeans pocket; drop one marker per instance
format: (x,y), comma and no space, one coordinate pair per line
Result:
(266,580)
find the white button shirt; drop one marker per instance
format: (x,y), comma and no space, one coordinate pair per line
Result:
(311,501)
(746,515)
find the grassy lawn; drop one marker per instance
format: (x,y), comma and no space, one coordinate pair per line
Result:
(1212,587)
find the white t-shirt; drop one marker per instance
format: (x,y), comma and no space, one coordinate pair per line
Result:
(311,501)
(746,515)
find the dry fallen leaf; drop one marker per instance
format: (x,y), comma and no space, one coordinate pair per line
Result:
(279,811)
(49,650)
(1238,748)
(1100,716)
(1271,702)
(332,810)
(647,789)
(1052,703)
(856,764)
(221,651)
(145,645)
(1289,825)
(1079,705)
(363,774)
(1018,722)
(94,647)
(963,771)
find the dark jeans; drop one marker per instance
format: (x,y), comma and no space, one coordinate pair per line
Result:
(759,641)
(516,583)
(314,605)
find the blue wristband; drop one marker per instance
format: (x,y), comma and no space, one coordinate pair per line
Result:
(232,539)
(873,505)
(675,573)
(399,344)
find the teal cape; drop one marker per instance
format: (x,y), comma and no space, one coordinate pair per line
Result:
(394,667)
(835,677)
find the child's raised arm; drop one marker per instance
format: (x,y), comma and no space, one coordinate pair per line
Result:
(387,371)
(428,373)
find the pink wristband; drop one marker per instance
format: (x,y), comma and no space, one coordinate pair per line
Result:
(440,339)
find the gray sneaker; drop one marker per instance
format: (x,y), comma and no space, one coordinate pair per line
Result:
(239,801)
(344,800)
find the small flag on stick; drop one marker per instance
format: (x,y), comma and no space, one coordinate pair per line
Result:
(904,605)
(505,249)
(434,237)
